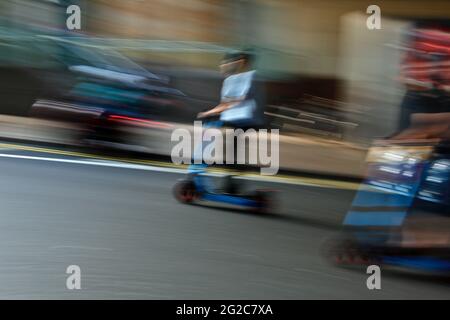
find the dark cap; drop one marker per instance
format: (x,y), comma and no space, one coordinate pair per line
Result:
(238,55)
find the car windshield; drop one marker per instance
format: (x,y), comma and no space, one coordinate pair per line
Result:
(100,57)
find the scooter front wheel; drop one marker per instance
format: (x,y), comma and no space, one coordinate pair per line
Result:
(185,191)
(344,252)
(266,202)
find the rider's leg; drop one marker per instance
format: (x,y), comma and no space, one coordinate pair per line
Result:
(231,184)
(198,168)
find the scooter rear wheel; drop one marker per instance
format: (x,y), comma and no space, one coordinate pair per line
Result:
(185,191)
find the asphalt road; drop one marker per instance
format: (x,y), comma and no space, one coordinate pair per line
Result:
(132,240)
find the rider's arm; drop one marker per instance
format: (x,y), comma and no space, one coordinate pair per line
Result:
(226,104)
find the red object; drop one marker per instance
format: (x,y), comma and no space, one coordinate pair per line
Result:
(427,62)
(139,122)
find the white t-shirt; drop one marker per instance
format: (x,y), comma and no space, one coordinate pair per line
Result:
(234,87)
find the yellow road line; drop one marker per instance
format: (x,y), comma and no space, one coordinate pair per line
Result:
(86,155)
(321,182)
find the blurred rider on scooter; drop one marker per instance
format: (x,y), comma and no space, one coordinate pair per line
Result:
(242,99)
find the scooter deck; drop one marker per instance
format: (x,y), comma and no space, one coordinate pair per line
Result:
(418,263)
(239,200)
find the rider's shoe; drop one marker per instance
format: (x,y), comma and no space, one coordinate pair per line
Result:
(231,186)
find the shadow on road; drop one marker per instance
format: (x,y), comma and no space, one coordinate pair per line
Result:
(302,221)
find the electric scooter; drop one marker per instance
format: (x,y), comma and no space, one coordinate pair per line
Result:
(198,188)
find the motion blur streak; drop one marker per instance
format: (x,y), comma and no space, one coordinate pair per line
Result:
(86,118)
(145,123)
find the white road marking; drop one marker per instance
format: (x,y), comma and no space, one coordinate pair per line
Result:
(96,163)
(123,165)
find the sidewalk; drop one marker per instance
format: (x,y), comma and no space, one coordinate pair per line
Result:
(300,153)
